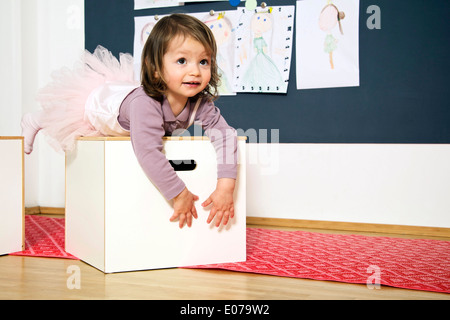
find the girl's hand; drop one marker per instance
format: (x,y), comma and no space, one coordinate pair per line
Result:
(222,200)
(184,208)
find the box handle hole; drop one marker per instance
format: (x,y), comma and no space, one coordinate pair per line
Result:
(183,165)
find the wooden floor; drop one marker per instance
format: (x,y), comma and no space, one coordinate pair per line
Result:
(47,278)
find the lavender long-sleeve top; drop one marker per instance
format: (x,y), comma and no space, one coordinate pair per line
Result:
(148,120)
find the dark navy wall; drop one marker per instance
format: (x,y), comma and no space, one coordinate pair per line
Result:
(404,70)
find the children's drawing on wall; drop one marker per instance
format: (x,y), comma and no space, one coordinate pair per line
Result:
(222,26)
(263,49)
(329,18)
(146,32)
(262,71)
(327,43)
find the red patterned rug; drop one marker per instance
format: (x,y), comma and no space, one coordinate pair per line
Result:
(419,264)
(403,263)
(44,237)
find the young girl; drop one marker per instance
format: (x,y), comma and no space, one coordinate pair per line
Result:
(179,80)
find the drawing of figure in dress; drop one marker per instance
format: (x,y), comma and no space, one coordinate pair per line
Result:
(329,17)
(262,74)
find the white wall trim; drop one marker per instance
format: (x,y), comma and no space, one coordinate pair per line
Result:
(401,184)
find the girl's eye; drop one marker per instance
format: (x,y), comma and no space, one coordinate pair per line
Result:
(204,62)
(181,61)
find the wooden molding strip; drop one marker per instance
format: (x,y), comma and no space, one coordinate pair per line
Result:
(11,138)
(45,210)
(351,226)
(309,224)
(166,138)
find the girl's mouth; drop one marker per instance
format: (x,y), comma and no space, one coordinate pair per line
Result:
(191,83)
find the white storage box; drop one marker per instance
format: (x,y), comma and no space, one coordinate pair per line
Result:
(116,219)
(11,194)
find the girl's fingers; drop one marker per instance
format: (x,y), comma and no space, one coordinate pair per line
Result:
(211,215)
(194,212)
(182,219)
(174,217)
(189,219)
(207,202)
(226,217)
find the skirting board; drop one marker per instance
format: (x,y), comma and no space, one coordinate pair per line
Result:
(45,210)
(309,224)
(351,226)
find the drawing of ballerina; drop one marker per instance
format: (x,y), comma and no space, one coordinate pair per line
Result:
(262,74)
(329,17)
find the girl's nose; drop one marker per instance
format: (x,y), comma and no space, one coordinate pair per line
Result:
(194,70)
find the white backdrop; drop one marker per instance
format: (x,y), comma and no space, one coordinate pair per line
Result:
(41,36)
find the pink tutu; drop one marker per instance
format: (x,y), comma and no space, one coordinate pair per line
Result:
(63,100)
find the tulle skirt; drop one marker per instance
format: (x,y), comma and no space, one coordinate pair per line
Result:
(63,117)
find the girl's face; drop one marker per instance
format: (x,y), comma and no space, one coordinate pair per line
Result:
(186,69)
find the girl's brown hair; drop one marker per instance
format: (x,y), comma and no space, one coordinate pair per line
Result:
(156,46)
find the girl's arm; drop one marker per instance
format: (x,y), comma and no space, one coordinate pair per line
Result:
(146,131)
(222,136)
(224,140)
